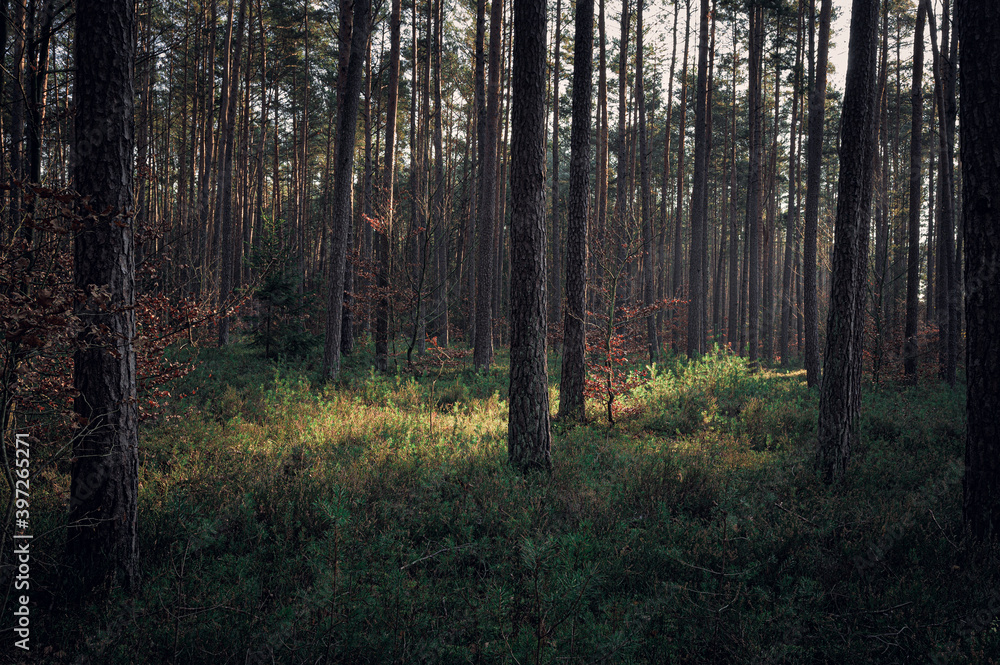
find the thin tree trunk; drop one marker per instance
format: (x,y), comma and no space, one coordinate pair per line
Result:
(910,349)
(699,211)
(678,290)
(814,165)
(483,355)
(388,204)
(754,188)
(555,294)
(571,403)
(646,207)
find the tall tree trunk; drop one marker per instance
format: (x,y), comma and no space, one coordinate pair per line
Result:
(483,354)
(699,211)
(814,165)
(528,433)
(602,155)
(948,288)
(438,208)
(555,292)
(840,393)
(978,29)
(754,188)
(733,331)
(347,121)
(388,204)
(678,289)
(571,403)
(104,478)
(792,220)
(664,231)
(227,135)
(910,349)
(646,207)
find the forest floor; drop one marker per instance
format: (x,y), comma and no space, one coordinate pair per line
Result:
(376,520)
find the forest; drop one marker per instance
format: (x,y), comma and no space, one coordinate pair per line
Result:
(524,331)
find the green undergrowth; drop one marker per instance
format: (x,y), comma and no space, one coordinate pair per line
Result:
(376,520)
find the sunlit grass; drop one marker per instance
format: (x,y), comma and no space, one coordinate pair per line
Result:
(376,520)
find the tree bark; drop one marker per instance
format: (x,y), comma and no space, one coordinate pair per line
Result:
(814,165)
(347,120)
(104,480)
(227,133)
(528,427)
(910,349)
(483,353)
(678,290)
(756,111)
(699,211)
(978,29)
(388,205)
(555,294)
(646,207)
(571,402)
(840,393)
(792,221)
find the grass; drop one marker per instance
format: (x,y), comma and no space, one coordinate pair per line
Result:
(376,520)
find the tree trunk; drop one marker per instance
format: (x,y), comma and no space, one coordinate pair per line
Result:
(483,354)
(347,120)
(699,211)
(978,29)
(388,204)
(437,203)
(104,481)
(528,428)
(732,332)
(756,111)
(571,403)
(792,221)
(555,294)
(646,207)
(814,165)
(910,349)
(227,134)
(840,393)
(678,290)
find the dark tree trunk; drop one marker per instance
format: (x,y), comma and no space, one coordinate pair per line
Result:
(840,393)
(664,232)
(699,211)
(601,194)
(555,295)
(388,175)
(646,207)
(678,254)
(756,110)
(227,134)
(483,354)
(978,29)
(792,221)
(437,202)
(347,122)
(910,349)
(814,165)
(104,481)
(528,429)
(732,332)
(571,403)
